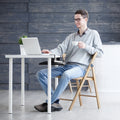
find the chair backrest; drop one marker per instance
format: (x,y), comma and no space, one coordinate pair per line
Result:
(93,58)
(63,56)
(90,64)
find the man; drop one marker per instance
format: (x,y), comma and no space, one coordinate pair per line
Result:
(77,58)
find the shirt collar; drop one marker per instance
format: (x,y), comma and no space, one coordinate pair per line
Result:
(83,32)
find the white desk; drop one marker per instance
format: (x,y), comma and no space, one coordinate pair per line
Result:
(22,57)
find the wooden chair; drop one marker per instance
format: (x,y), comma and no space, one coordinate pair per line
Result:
(74,84)
(80,82)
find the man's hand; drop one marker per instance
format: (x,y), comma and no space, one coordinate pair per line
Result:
(81,44)
(46,51)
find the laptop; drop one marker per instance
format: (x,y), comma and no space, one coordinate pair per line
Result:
(31,46)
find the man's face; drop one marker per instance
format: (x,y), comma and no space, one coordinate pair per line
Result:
(80,21)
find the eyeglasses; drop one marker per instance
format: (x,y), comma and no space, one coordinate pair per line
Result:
(78,19)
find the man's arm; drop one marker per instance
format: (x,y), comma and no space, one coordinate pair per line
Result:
(97,45)
(61,48)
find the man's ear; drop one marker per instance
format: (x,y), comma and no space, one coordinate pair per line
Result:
(86,19)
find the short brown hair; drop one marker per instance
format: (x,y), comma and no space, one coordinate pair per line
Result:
(83,12)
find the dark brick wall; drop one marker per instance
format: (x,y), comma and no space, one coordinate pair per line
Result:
(51,21)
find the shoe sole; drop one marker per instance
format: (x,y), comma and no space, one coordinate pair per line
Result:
(53,109)
(39,110)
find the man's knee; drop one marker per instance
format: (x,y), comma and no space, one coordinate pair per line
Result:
(41,73)
(66,74)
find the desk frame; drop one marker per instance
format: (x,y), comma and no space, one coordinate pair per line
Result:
(22,57)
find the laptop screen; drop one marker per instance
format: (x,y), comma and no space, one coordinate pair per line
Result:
(31,45)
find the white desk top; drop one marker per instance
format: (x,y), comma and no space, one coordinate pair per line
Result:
(30,56)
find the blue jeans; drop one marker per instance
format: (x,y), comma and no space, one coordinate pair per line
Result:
(67,72)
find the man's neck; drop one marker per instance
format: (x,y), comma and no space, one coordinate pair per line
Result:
(82,30)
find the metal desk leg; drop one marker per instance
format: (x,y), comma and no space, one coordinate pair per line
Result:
(56,79)
(10,84)
(22,81)
(49,85)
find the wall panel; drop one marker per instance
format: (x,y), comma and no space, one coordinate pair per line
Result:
(51,21)
(68,7)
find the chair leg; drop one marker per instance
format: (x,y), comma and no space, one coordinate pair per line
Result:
(70,87)
(89,86)
(96,91)
(80,100)
(77,93)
